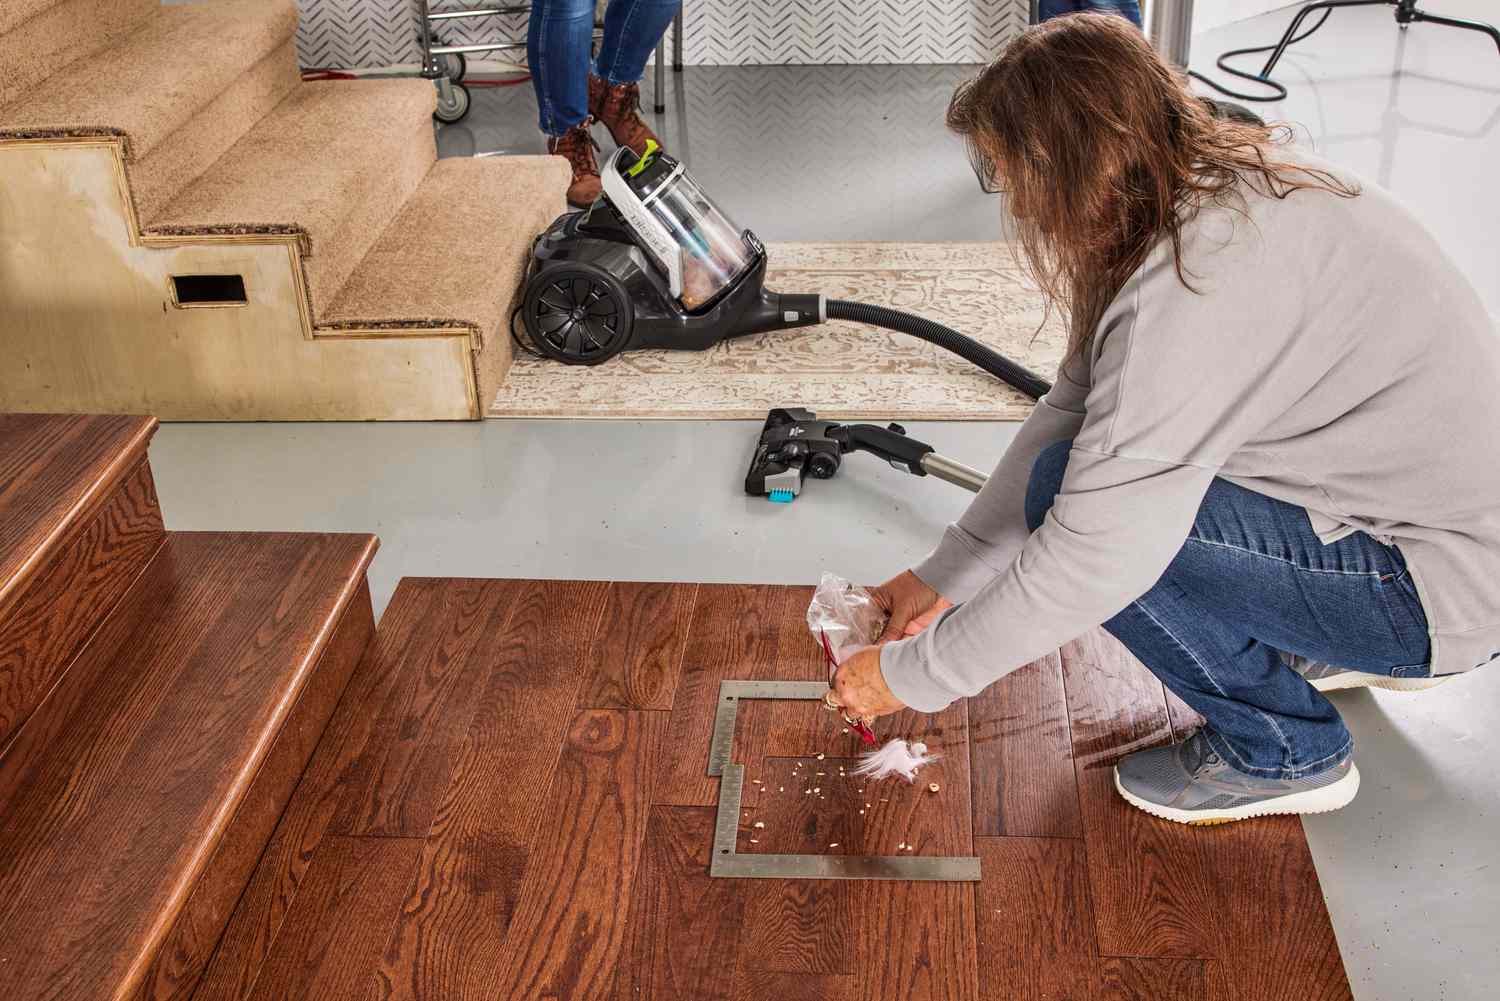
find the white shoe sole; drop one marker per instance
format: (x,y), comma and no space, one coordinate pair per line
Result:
(1325,800)
(1361,679)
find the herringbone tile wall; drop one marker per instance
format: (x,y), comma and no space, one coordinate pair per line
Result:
(773,32)
(363,33)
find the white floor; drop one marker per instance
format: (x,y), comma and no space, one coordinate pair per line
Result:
(1411,869)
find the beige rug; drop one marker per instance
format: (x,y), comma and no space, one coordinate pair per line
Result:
(841,370)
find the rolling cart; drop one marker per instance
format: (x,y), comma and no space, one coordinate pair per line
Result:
(446,65)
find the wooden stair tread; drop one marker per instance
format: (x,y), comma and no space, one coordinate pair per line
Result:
(145,86)
(53,468)
(336,161)
(119,789)
(459,248)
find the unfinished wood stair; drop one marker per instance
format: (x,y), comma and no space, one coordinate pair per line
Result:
(160,696)
(362,279)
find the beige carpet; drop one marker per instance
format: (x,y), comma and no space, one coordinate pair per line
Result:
(841,370)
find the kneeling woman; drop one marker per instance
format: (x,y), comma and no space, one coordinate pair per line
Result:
(1266,462)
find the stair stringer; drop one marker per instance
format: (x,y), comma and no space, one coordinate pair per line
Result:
(89,321)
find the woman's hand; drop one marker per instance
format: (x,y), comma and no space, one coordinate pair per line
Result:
(910,603)
(861,689)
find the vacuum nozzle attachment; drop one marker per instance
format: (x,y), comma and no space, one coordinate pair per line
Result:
(794,444)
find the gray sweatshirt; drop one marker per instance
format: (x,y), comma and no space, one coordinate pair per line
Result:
(1332,357)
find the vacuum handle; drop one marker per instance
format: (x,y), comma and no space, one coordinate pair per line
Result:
(890,443)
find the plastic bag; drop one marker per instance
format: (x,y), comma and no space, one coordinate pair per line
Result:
(843,617)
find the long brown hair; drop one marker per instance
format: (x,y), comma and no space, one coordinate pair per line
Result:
(1103,151)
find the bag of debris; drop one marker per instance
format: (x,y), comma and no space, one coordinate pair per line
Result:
(843,618)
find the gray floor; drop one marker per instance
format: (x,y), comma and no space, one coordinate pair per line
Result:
(856,153)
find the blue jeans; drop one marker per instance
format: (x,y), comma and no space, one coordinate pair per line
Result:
(1252,579)
(558,41)
(1129,9)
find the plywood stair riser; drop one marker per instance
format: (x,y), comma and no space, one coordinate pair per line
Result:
(88,321)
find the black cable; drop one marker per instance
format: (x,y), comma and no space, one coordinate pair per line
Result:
(525,348)
(1278,91)
(967,348)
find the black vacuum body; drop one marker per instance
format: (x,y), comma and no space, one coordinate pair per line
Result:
(593,292)
(653,263)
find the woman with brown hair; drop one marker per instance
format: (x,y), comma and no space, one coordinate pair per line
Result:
(1264,466)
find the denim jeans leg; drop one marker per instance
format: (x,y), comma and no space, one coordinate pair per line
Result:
(632,29)
(1128,9)
(558,40)
(1253,579)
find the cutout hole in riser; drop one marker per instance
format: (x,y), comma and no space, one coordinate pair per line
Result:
(208,290)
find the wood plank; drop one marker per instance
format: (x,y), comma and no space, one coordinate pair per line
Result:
(764,985)
(334,931)
(469,875)
(404,771)
(1183,718)
(735,632)
(196,932)
(685,928)
(1153,882)
(283,866)
(803,727)
(637,654)
(585,858)
(52,614)
(1021,754)
(1036,928)
(1269,895)
(168,714)
(800,926)
(934,823)
(917,940)
(1154,980)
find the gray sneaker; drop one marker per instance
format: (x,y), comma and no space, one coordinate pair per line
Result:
(1191,784)
(1327,678)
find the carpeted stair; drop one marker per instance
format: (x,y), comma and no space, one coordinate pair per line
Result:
(223,141)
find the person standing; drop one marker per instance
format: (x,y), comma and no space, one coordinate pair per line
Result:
(1128,9)
(572,93)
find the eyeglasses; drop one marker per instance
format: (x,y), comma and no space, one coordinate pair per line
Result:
(984,167)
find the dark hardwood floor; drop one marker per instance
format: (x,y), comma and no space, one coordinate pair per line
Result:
(511,803)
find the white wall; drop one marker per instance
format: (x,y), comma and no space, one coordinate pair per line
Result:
(1209,14)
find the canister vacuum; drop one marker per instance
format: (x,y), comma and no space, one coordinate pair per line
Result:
(653,263)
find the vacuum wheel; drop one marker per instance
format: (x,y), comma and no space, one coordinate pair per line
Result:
(456,107)
(580,316)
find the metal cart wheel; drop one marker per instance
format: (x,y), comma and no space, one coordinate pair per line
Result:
(577,314)
(453,102)
(454,65)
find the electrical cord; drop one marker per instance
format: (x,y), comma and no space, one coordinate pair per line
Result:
(1278,91)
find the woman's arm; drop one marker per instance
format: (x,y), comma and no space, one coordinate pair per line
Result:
(989,535)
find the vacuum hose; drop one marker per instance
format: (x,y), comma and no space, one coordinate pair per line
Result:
(967,348)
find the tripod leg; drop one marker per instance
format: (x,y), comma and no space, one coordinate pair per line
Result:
(1452,22)
(1291,31)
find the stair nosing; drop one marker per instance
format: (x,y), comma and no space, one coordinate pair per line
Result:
(122,463)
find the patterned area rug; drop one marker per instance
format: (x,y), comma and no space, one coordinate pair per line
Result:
(841,370)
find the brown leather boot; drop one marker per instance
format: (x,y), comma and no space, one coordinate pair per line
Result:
(577,147)
(619,108)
